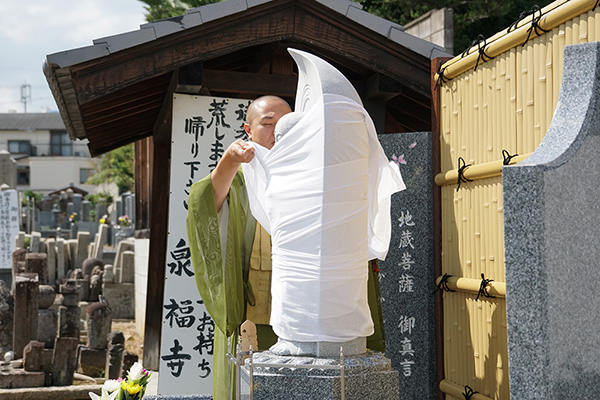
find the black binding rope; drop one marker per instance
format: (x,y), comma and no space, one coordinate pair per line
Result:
(468,392)
(444,284)
(534,23)
(461,172)
(480,42)
(596,5)
(507,156)
(441,79)
(483,287)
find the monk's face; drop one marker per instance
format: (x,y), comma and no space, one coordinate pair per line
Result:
(262,116)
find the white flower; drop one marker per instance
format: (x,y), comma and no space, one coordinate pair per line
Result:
(105,395)
(111,385)
(136,372)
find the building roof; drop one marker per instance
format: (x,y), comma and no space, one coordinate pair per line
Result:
(31,122)
(112,92)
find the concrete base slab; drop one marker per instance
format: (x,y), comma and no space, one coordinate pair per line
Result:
(20,379)
(76,392)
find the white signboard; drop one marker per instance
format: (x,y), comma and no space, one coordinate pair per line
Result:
(9,226)
(203,127)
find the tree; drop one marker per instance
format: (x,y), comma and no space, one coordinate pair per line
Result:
(162,9)
(116,166)
(471,17)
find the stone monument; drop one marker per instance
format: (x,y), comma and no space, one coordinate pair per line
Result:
(551,219)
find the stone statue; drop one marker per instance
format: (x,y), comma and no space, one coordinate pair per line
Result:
(323,193)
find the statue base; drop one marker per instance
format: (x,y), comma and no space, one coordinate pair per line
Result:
(365,376)
(285,347)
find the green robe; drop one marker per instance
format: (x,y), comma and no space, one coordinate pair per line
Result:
(225,291)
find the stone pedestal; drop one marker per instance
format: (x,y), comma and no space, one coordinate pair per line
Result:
(367,376)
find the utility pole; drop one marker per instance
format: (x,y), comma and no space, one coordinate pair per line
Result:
(25,95)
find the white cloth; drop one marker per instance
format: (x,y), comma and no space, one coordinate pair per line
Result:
(323,193)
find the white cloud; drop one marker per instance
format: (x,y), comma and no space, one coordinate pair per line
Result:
(33,29)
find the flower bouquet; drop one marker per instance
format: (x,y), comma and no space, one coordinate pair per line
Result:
(73,218)
(124,220)
(131,388)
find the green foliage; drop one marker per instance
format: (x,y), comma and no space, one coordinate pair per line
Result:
(93,199)
(117,167)
(471,18)
(30,194)
(162,9)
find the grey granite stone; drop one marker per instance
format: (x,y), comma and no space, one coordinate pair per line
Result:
(551,219)
(368,376)
(407,274)
(179,397)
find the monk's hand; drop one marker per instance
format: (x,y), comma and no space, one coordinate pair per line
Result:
(240,151)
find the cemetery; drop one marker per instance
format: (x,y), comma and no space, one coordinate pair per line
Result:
(68,283)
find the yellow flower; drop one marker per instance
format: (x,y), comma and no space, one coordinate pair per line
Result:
(130,387)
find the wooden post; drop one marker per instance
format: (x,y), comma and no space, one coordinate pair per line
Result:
(161,176)
(437,217)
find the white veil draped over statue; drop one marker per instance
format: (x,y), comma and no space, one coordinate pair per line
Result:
(323,193)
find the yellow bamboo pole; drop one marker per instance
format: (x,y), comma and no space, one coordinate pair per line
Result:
(478,171)
(553,15)
(455,390)
(470,285)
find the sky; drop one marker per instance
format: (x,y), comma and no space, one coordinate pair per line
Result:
(32,29)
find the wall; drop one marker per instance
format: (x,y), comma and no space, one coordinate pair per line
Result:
(436,26)
(48,174)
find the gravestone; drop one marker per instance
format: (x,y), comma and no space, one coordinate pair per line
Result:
(129,359)
(114,360)
(127,267)
(64,361)
(130,208)
(77,199)
(86,207)
(7,309)
(20,240)
(18,259)
(100,241)
(70,209)
(9,226)
(46,219)
(551,220)
(37,263)
(33,354)
(35,242)
(118,209)
(124,245)
(99,321)
(407,274)
(100,209)
(83,242)
(61,259)
(26,307)
(51,260)
(47,317)
(69,318)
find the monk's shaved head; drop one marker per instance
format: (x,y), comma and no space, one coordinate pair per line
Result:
(262,102)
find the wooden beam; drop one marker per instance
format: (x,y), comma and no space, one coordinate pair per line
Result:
(249,83)
(161,176)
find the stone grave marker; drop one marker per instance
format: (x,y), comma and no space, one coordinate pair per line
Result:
(9,226)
